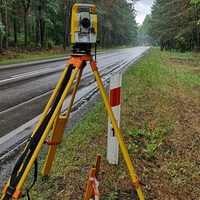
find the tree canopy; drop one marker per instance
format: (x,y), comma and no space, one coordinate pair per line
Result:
(43,24)
(174,23)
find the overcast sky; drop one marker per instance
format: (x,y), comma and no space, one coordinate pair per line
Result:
(143,7)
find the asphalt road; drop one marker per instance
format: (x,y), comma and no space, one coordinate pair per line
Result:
(24,91)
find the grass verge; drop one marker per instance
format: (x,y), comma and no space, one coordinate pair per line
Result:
(160,126)
(17,56)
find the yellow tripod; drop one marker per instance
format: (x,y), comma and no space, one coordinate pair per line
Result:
(51,117)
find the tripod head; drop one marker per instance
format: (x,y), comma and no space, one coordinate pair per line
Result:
(81,49)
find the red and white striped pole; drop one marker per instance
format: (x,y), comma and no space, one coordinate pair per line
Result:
(115,94)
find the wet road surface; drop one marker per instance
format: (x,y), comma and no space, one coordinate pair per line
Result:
(24,91)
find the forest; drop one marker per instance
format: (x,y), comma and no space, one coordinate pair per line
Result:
(42,24)
(173,24)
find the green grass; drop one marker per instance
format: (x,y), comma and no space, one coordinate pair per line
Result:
(160,126)
(10,57)
(30,58)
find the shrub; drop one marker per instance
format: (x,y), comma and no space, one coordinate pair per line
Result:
(50,44)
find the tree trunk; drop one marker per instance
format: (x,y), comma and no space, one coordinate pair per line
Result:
(68,30)
(15,32)
(25,7)
(5,21)
(102,38)
(100,26)
(197,34)
(189,43)
(25,31)
(67,22)
(1,46)
(42,25)
(65,25)
(197,39)
(54,30)
(161,45)
(42,34)
(37,32)
(1,49)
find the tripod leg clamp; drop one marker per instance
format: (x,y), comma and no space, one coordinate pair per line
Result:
(12,192)
(52,142)
(136,184)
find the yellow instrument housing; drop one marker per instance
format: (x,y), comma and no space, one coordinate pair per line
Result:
(78,33)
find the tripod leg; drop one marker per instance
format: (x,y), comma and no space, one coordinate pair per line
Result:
(40,122)
(58,130)
(49,103)
(74,94)
(41,142)
(51,99)
(56,138)
(117,131)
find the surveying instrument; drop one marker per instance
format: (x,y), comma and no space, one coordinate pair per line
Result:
(83,38)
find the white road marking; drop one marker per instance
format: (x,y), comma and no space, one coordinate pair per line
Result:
(27,74)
